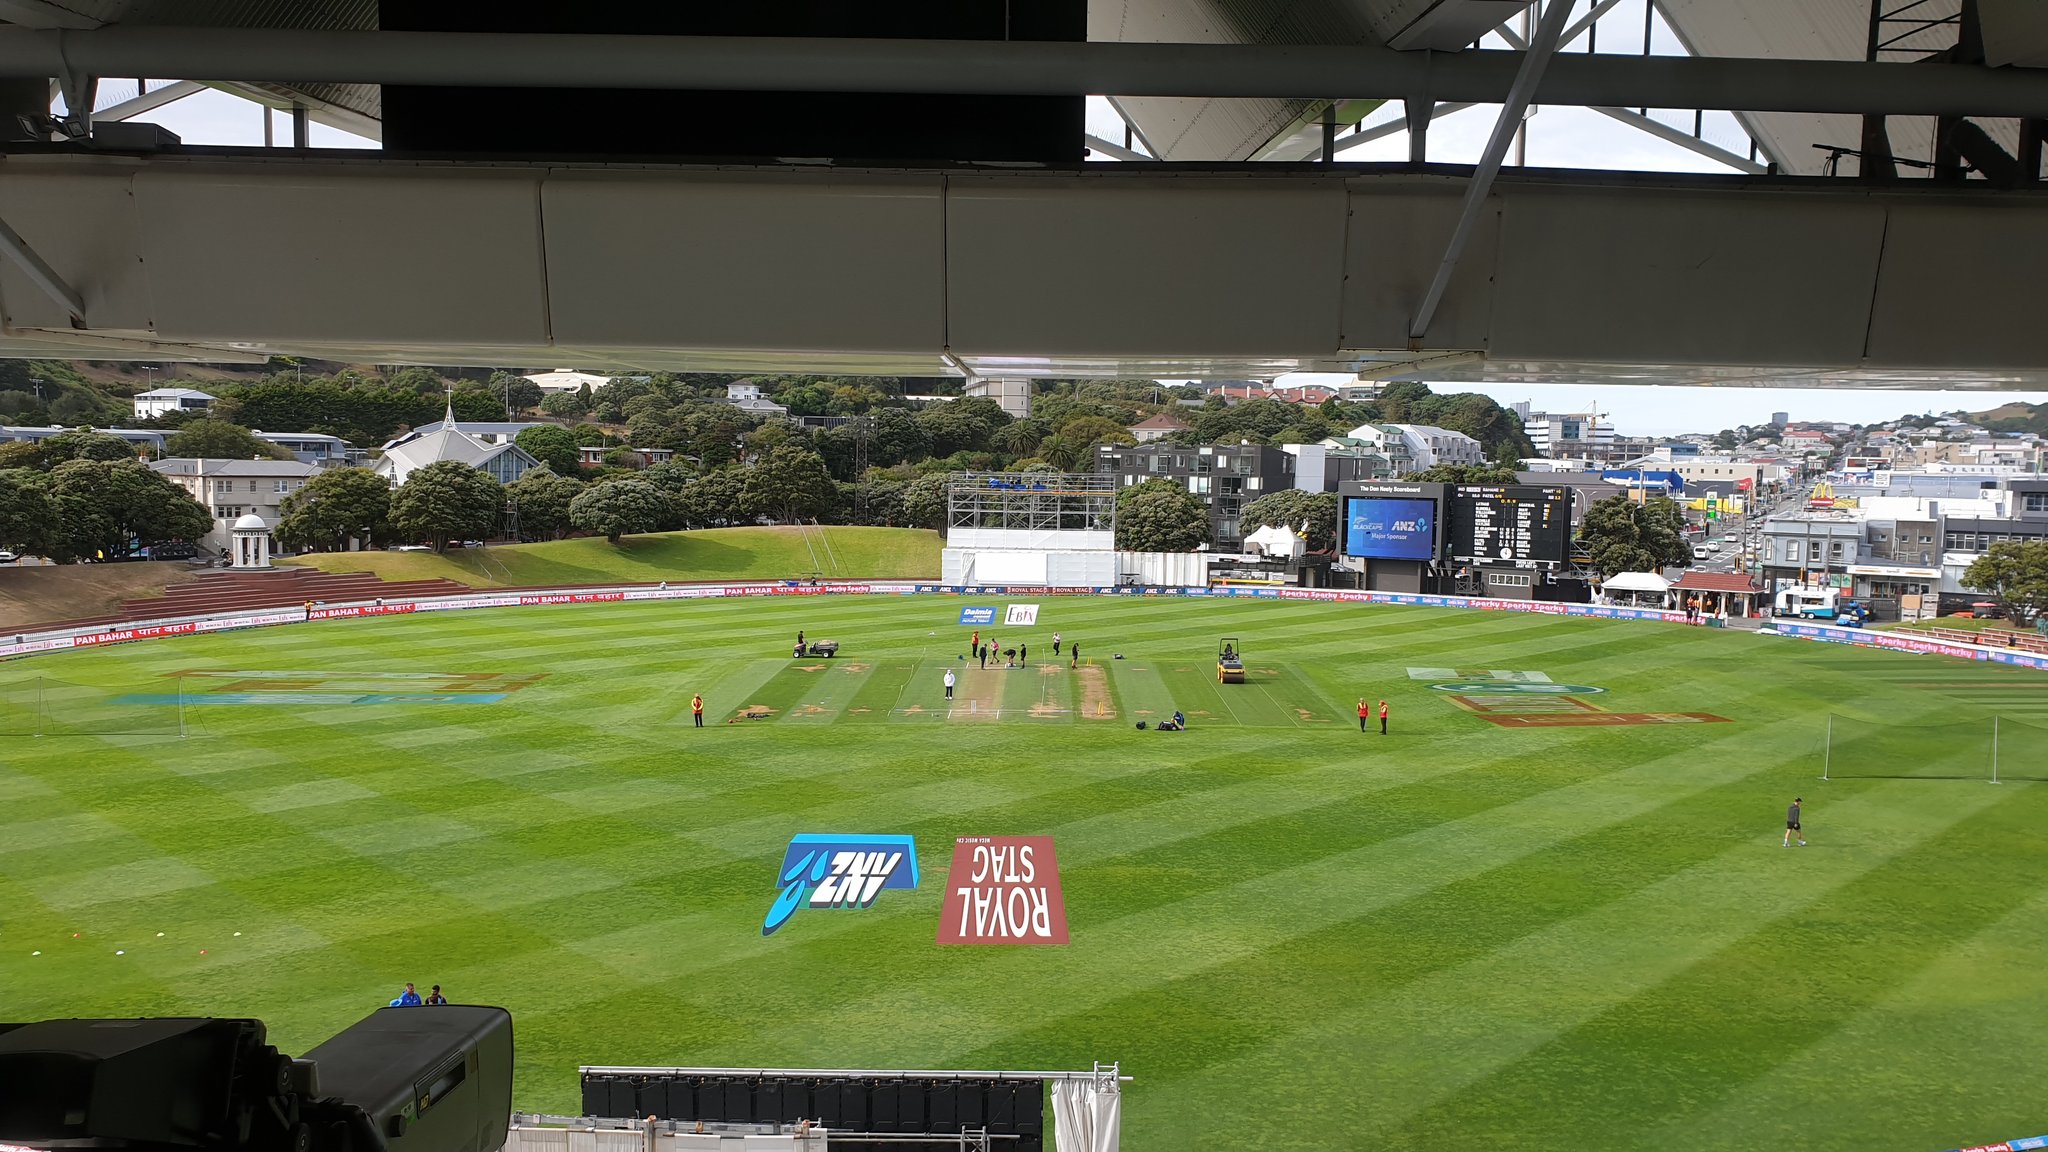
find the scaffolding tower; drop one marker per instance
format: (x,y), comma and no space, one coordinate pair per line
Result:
(1032,501)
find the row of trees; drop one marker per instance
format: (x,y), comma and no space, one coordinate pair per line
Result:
(86,508)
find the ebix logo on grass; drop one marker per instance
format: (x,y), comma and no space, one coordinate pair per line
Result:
(820,871)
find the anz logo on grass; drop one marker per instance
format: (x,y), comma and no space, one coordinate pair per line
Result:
(839,872)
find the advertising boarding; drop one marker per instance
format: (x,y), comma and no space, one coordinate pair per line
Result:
(1385,528)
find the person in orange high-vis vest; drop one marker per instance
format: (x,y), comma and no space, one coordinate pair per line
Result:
(1364,714)
(1383,717)
(697,709)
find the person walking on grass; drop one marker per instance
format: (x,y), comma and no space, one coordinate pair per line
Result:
(949,683)
(981,654)
(1364,713)
(1055,645)
(697,709)
(1383,717)
(1792,828)
(974,641)
(1023,654)
(1074,650)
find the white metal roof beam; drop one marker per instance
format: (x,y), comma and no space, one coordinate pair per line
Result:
(1685,140)
(1313,72)
(149,101)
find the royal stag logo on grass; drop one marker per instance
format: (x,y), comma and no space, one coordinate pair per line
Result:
(1003,890)
(825,872)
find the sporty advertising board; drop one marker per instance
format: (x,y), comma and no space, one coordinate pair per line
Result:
(1522,526)
(1382,528)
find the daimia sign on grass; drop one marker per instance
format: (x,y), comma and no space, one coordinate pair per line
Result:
(825,872)
(1003,890)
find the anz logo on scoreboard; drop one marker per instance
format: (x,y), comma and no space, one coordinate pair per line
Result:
(826,872)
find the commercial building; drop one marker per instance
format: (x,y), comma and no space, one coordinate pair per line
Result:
(564,380)
(1578,435)
(232,489)
(314,448)
(157,401)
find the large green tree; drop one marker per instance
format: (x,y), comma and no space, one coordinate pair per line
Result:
(28,520)
(617,507)
(924,503)
(2016,575)
(446,500)
(1160,516)
(1296,509)
(541,500)
(220,440)
(789,484)
(1624,536)
(103,506)
(336,505)
(716,499)
(552,445)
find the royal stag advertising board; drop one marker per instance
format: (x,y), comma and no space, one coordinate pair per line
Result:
(1521,526)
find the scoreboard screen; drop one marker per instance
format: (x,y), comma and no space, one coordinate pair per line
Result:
(1521,526)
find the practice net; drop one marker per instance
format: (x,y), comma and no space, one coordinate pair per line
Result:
(46,706)
(1995,748)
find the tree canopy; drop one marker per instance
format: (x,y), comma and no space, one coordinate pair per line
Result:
(102,506)
(219,440)
(2015,574)
(74,444)
(1159,516)
(541,500)
(789,484)
(552,445)
(334,506)
(1467,474)
(1624,536)
(446,500)
(616,507)
(28,520)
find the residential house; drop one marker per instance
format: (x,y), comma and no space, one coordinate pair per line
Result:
(1156,428)
(157,401)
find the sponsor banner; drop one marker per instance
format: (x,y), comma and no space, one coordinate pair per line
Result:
(1598,719)
(979,616)
(348,611)
(823,872)
(1003,890)
(1020,615)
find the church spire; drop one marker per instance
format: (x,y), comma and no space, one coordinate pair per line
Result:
(449,416)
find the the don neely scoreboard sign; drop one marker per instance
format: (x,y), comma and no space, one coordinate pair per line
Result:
(1519,525)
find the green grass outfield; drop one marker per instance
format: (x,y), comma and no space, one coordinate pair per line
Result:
(829,552)
(1292,934)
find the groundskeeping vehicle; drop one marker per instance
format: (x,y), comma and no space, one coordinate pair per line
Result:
(1807,603)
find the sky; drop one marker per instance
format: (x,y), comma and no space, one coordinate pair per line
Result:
(1555,137)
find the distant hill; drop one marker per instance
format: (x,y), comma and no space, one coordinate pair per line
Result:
(2014,417)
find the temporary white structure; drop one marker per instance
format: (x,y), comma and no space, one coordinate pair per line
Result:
(1641,588)
(1279,542)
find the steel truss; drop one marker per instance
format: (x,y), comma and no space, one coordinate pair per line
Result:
(1032,501)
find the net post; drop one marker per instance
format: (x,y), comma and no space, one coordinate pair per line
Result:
(181,707)
(1827,748)
(39,706)
(1994,748)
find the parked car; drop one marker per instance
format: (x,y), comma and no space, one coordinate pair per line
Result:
(7,557)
